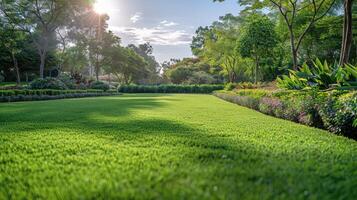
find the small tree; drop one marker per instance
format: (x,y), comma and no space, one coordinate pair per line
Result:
(258,40)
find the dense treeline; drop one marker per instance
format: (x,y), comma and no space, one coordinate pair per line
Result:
(50,37)
(269,38)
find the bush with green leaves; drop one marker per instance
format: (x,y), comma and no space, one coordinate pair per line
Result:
(230,86)
(98,85)
(339,112)
(321,76)
(201,77)
(68,81)
(48,83)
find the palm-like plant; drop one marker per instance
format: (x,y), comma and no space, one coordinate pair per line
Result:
(320,75)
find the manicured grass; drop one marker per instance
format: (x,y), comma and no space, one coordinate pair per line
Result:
(167,147)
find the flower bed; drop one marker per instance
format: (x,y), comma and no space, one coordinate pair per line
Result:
(335,110)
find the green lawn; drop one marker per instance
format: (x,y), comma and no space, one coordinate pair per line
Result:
(167,147)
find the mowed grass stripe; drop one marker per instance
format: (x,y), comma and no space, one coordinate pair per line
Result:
(152,146)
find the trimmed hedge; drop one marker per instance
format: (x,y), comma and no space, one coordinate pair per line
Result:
(49,92)
(37,95)
(334,111)
(194,89)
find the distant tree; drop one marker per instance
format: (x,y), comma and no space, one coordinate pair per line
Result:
(198,41)
(219,48)
(128,66)
(180,74)
(257,40)
(153,67)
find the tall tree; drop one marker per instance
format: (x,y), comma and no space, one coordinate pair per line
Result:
(40,19)
(153,67)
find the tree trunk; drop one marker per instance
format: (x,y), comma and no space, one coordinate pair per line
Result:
(97,70)
(42,63)
(256,69)
(16,65)
(293,49)
(347,33)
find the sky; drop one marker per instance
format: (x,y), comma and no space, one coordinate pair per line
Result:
(168,25)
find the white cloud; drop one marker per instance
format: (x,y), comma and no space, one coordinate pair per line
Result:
(168,23)
(156,35)
(136,17)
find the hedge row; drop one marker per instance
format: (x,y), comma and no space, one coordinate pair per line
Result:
(49,92)
(51,97)
(199,89)
(334,111)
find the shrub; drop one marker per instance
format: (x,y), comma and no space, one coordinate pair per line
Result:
(335,111)
(201,78)
(48,83)
(82,86)
(339,113)
(271,106)
(230,86)
(2,78)
(68,81)
(98,85)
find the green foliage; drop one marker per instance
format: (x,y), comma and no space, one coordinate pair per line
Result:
(230,86)
(48,83)
(180,74)
(200,89)
(321,76)
(98,85)
(340,112)
(258,37)
(191,71)
(68,81)
(201,77)
(334,111)
(118,147)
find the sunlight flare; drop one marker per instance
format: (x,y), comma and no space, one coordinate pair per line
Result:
(102,6)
